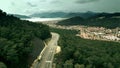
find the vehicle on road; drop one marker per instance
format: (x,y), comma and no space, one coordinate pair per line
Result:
(39,58)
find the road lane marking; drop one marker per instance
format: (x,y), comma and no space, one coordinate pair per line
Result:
(48,61)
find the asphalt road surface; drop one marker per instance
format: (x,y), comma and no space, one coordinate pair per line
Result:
(48,54)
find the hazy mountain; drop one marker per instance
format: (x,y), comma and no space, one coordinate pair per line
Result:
(72,21)
(83,15)
(20,16)
(49,14)
(106,20)
(63,14)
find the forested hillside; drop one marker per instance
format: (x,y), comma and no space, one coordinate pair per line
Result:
(20,16)
(82,53)
(101,20)
(16,40)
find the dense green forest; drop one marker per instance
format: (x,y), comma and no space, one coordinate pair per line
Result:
(16,40)
(83,53)
(102,20)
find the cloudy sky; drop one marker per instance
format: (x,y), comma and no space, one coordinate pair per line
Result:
(31,6)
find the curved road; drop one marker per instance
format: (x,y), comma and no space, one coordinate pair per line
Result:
(48,53)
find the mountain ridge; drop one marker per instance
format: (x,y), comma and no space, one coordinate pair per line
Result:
(100,20)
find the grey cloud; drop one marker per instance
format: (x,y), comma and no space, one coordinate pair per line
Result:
(31,5)
(42,0)
(12,3)
(85,1)
(50,1)
(56,1)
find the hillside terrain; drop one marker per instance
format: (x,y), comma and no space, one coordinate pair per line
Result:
(101,20)
(16,40)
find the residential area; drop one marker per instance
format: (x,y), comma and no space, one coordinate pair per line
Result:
(93,33)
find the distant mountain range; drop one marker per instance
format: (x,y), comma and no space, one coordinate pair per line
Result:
(107,20)
(49,14)
(20,16)
(84,15)
(63,14)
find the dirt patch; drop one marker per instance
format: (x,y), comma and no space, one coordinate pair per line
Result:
(58,49)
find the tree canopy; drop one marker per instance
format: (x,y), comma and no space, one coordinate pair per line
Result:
(83,53)
(16,39)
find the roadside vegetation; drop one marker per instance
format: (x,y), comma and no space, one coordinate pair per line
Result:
(83,53)
(16,40)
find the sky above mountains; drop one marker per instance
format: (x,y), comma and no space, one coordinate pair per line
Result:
(32,6)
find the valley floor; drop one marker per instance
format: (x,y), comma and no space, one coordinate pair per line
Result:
(94,33)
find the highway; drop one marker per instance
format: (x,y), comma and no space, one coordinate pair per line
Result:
(48,53)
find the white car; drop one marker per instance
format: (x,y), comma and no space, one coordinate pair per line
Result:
(39,58)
